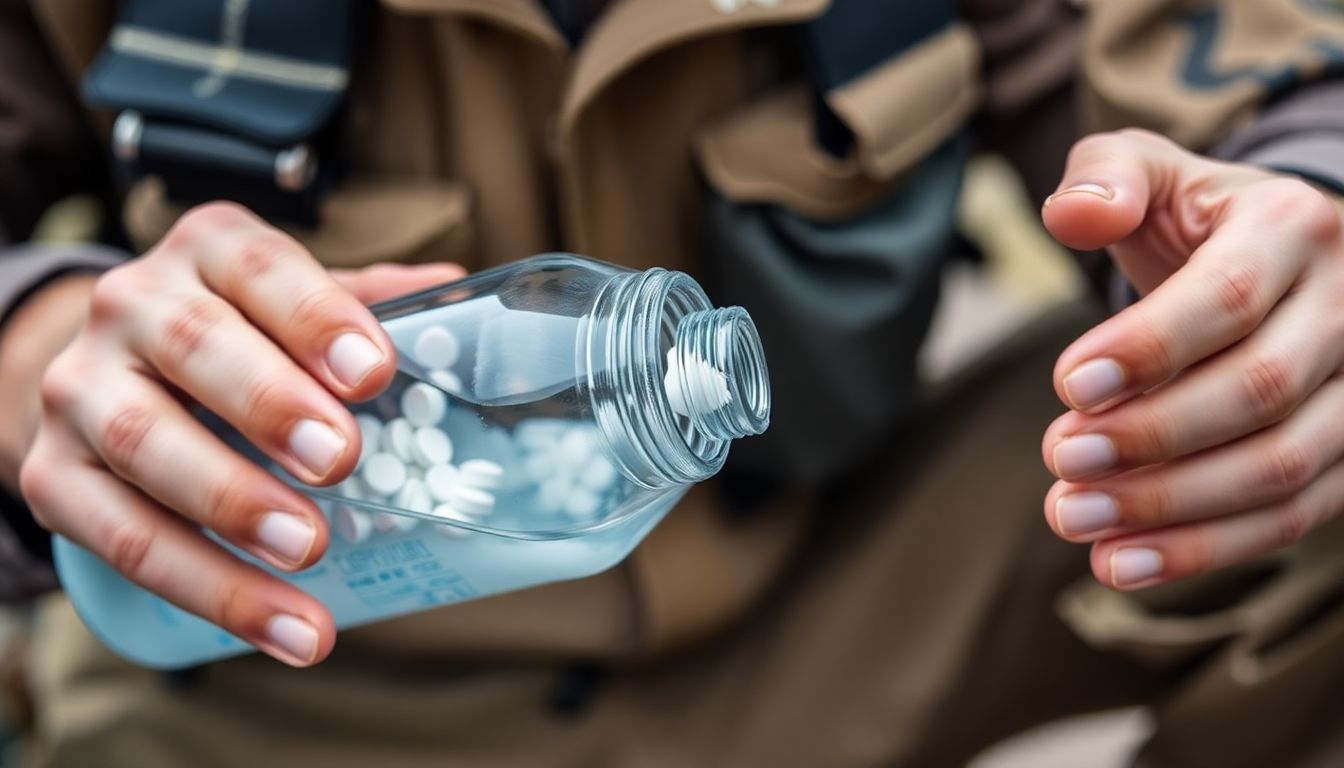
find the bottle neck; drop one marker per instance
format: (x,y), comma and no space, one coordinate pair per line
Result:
(672,379)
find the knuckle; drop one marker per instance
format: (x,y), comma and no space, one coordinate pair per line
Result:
(1156,507)
(202,221)
(1088,144)
(1291,522)
(1271,388)
(1116,142)
(1152,352)
(1153,438)
(1294,200)
(58,387)
(36,480)
(228,607)
(257,256)
(1095,144)
(218,214)
(1287,469)
(1143,135)
(1201,552)
(225,499)
(315,310)
(186,331)
(269,393)
(122,437)
(1237,295)
(127,548)
(270,397)
(115,291)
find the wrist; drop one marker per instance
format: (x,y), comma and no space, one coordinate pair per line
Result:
(33,335)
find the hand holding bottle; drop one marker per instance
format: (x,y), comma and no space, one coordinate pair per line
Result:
(234,315)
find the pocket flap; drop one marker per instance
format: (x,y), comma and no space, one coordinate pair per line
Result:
(765,153)
(901,110)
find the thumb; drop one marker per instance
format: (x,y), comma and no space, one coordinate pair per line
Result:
(1106,188)
(387,281)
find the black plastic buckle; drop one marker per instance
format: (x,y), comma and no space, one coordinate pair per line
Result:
(198,165)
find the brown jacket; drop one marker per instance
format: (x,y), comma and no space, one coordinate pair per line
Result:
(474,135)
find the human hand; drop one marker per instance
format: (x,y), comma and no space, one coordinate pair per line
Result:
(1205,425)
(234,315)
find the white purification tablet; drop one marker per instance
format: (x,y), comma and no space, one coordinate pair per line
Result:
(446,380)
(582,504)
(447,512)
(481,473)
(538,466)
(397,438)
(370,433)
(599,475)
(423,405)
(431,446)
(554,490)
(436,347)
(540,434)
(353,525)
(414,495)
(386,522)
(441,479)
(471,501)
(384,474)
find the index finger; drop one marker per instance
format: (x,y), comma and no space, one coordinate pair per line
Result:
(292,298)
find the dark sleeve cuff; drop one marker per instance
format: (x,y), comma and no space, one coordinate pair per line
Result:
(25,549)
(25,268)
(1302,135)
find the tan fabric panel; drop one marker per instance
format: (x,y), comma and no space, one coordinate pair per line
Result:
(766,153)
(496,92)
(899,112)
(629,191)
(76,29)
(632,31)
(365,221)
(905,108)
(1136,49)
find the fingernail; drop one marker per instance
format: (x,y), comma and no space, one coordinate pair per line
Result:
(1083,455)
(1087,512)
(294,636)
(287,536)
(1093,381)
(316,445)
(352,357)
(1086,187)
(1135,565)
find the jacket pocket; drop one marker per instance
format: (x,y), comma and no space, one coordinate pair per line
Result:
(899,112)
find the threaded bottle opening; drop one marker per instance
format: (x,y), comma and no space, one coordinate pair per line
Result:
(716,375)
(673,380)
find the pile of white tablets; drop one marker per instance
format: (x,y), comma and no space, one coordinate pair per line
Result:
(565,462)
(407,462)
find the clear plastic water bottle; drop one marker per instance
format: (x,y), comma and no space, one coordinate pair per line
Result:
(545,416)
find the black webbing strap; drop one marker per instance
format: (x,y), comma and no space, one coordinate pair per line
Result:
(228,98)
